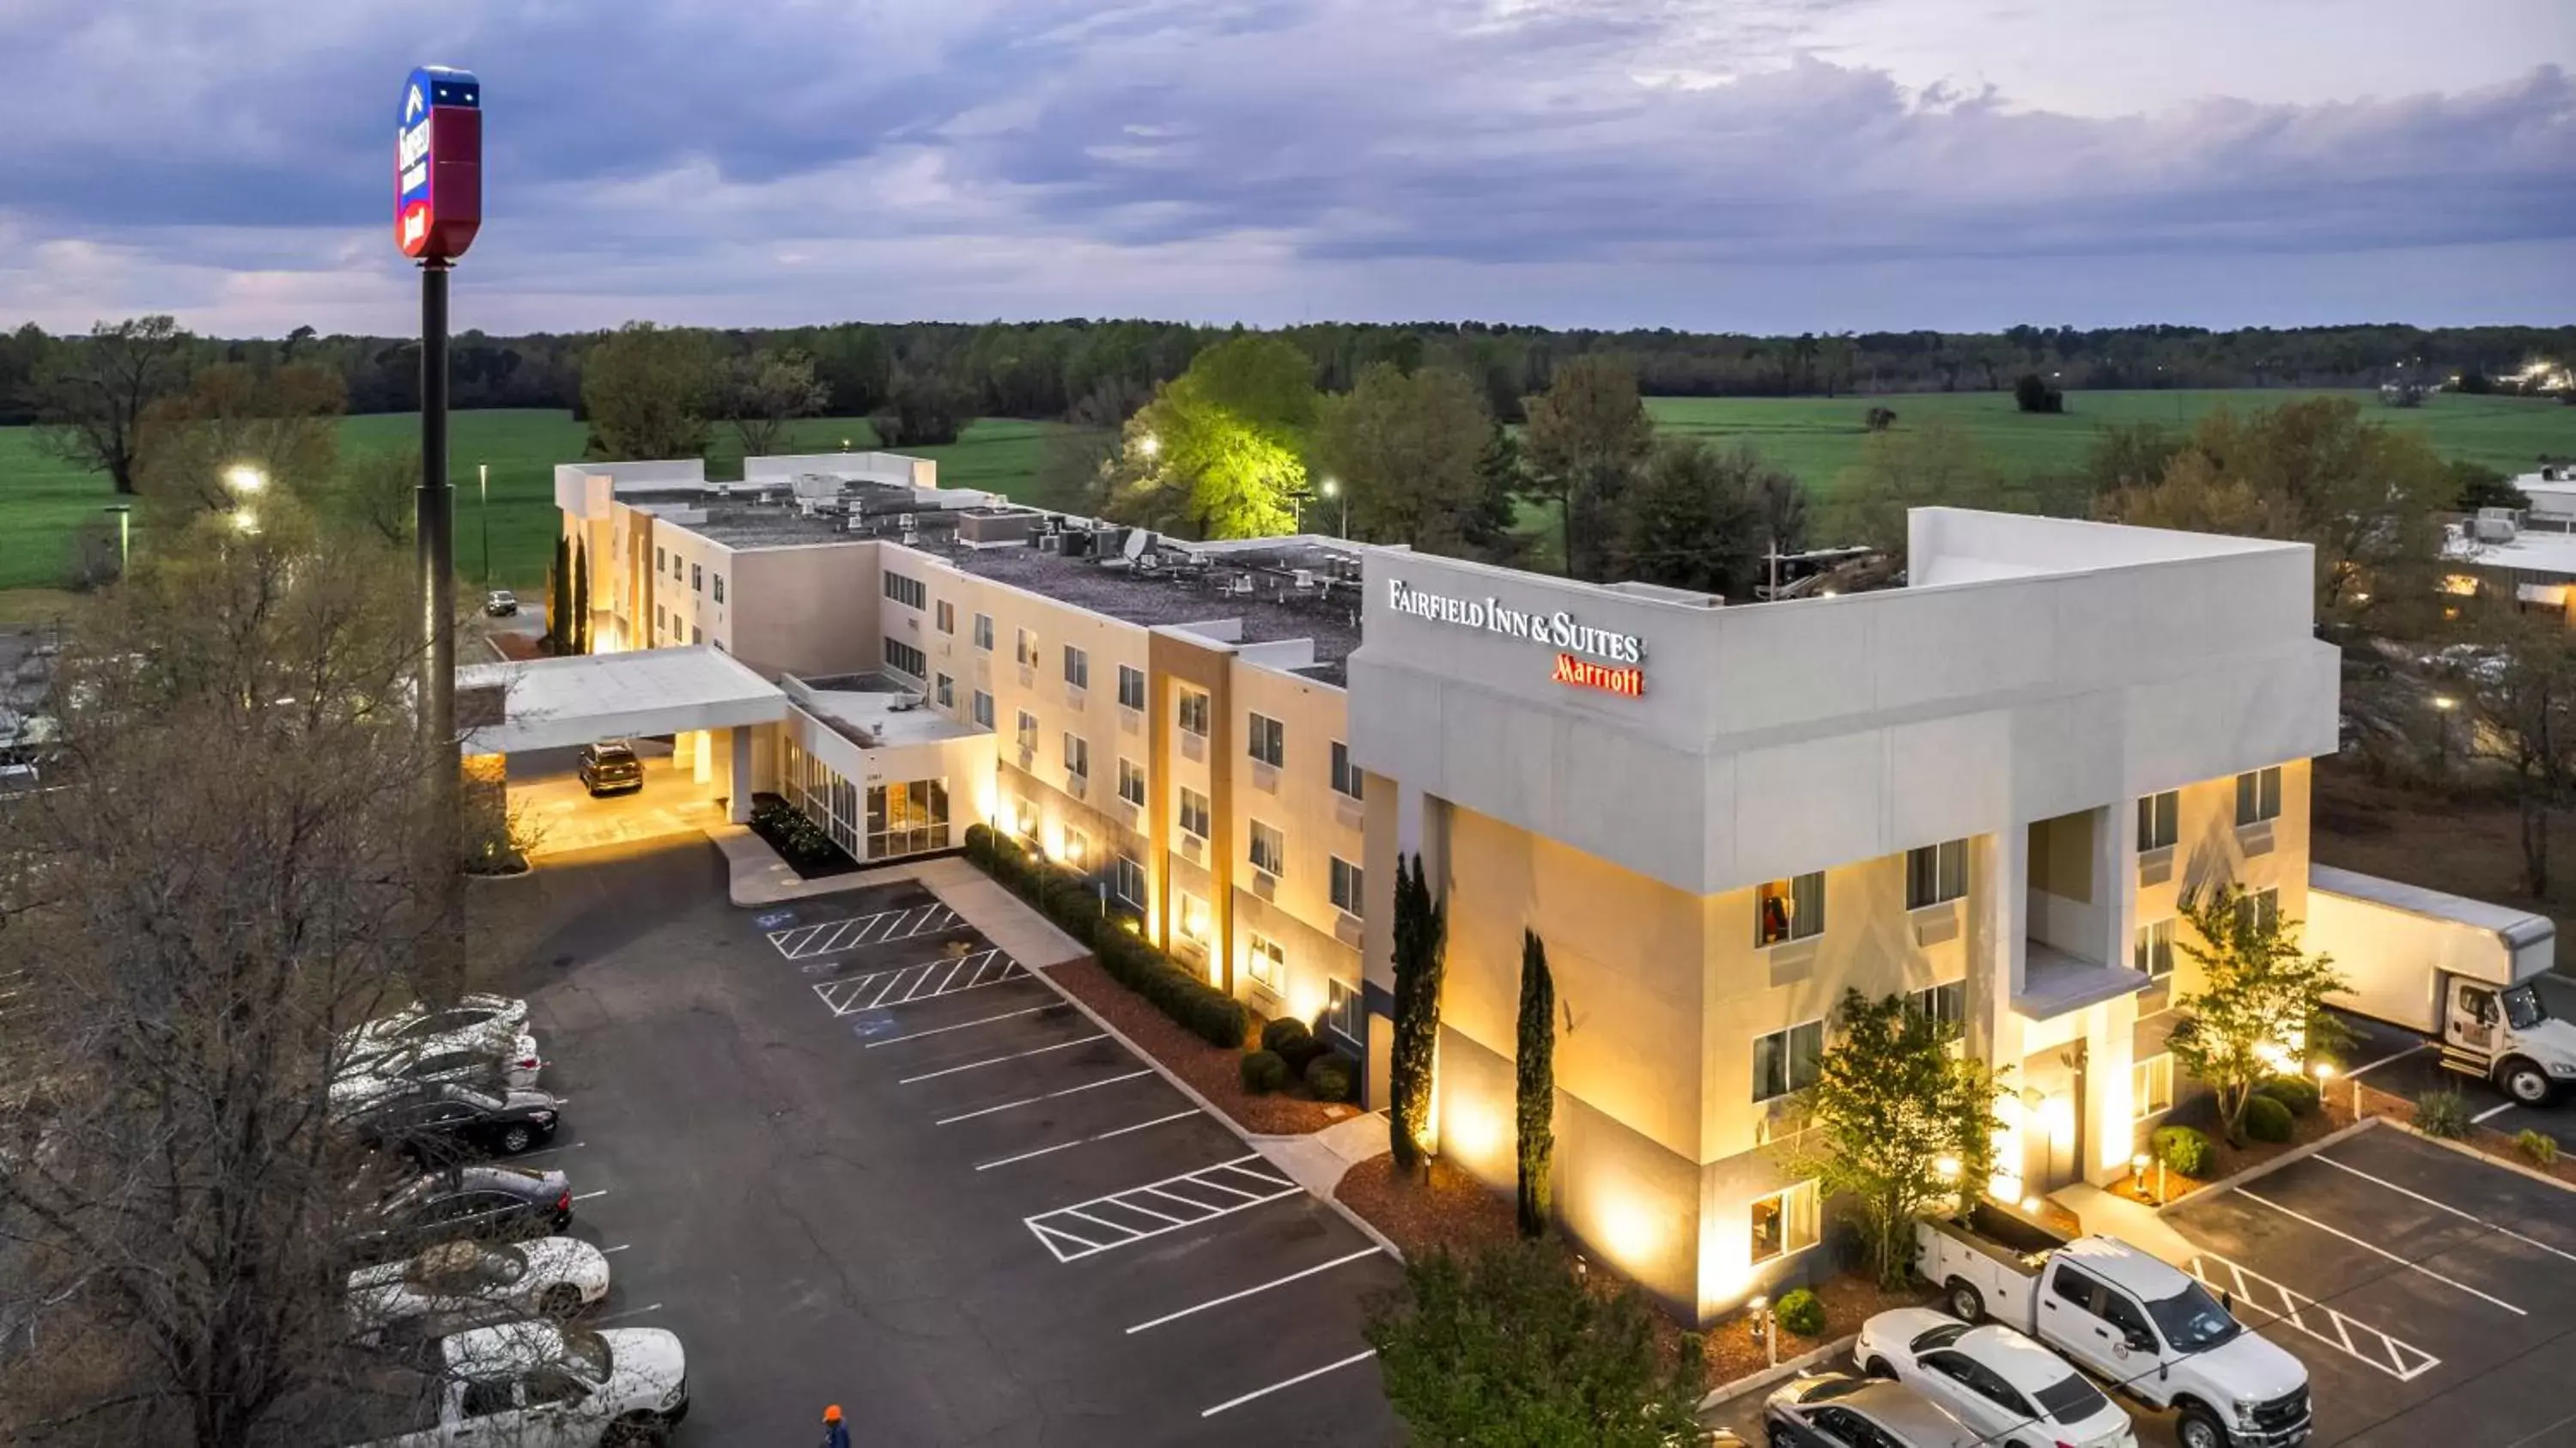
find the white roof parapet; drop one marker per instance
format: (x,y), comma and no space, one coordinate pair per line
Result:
(562,703)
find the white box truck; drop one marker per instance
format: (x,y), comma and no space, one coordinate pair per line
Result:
(2138,1323)
(2457,971)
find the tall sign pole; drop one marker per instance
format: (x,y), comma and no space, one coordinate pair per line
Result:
(438,206)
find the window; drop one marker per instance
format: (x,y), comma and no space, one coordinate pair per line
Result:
(1194,812)
(903,658)
(984,632)
(1025,649)
(947,617)
(1943,1005)
(2152,955)
(1350,886)
(693,634)
(2151,1086)
(1269,849)
(2159,820)
(1131,782)
(1342,1011)
(1784,1222)
(661,559)
(1785,1061)
(2258,796)
(2259,910)
(1193,917)
(947,692)
(697,578)
(1936,873)
(1028,732)
(983,708)
(661,619)
(719,581)
(1077,756)
(1791,909)
(1269,740)
(1127,881)
(905,589)
(1346,775)
(1077,667)
(1265,962)
(907,819)
(485,1397)
(1077,847)
(1131,688)
(1194,712)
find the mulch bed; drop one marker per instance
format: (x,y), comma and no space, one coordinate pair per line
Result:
(1734,1352)
(1450,1211)
(1213,1071)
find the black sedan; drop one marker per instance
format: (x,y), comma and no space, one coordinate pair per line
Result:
(492,1202)
(450,1121)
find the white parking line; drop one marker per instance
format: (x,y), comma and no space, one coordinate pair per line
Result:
(620,1247)
(541,1151)
(2406,1263)
(997,1060)
(1034,1100)
(2493,1111)
(1069,1232)
(586,1196)
(2393,1056)
(1357,1357)
(804,941)
(2447,1207)
(964,1025)
(630,1312)
(1250,1291)
(877,988)
(1087,1140)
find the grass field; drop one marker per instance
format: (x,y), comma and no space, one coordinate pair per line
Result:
(42,501)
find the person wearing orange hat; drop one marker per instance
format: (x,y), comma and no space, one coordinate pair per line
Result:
(834,1434)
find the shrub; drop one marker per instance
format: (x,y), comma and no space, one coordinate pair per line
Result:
(1218,1018)
(1301,1051)
(2442,1112)
(2295,1092)
(1800,1312)
(2266,1119)
(2183,1149)
(1276,1035)
(1329,1076)
(1263,1071)
(2540,1150)
(979,845)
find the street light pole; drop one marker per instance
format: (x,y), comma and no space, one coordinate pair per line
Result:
(483,515)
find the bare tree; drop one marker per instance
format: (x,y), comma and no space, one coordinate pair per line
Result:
(2525,693)
(91,395)
(224,879)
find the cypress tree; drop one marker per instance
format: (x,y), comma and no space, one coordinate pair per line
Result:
(1534,1079)
(581,598)
(1420,933)
(559,596)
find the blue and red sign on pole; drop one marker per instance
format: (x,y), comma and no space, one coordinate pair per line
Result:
(438,163)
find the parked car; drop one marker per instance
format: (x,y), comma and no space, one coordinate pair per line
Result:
(1997,1381)
(533,1384)
(501,603)
(404,1071)
(458,1285)
(476,1021)
(1837,1410)
(610,767)
(488,1201)
(448,1122)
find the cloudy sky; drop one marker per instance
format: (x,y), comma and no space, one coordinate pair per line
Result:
(1762,165)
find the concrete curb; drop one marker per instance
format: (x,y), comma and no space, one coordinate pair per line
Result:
(2464,1149)
(2264,1169)
(1790,1368)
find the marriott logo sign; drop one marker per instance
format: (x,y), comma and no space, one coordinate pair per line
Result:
(1576,645)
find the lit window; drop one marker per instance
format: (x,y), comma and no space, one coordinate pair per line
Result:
(2259,911)
(2258,796)
(1346,775)
(1077,846)
(2151,1086)
(1025,649)
(1269,740)
(1786,1061)
(1194,917)
(1269,849)
(1131,688)
(1194,812)
(1194,712)
(1131,782)
(1784,1222)
(1077,756)
(1265,962)
(2152,954)
(2159,820)
(984,632)
(1943,1005)
(1935,874)
(1349,887)
(1343,1011)
(1028,732)
(1077,667)
(1792,909)
(983,708)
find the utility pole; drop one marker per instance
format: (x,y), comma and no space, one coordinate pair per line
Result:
(483,515)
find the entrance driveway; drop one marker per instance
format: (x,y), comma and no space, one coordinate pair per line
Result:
(544,784)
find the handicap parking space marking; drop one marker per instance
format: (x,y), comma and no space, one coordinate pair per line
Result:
(923,981)
(1087,1140)
(776,919)
(2496,1227)
(1305,1377)
(2356,1339)
(1034,1100)
(805,941)
(2406,1262)
(1124,1218)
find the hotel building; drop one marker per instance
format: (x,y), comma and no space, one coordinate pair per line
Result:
(1986,789)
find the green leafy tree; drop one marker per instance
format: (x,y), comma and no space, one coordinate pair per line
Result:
(1501,478)
(765,391)
(1408,451)
(91,393)
(1892,1101)
(1534,1084)
(283,421)
(2260,1003)
(1587,437)
(924,408)
(1509,1349)
(1703,519)
(2478,486)
(1221,450)
(380,494)
(648,390)
(2129,455)
(1936,465)
(1421,940)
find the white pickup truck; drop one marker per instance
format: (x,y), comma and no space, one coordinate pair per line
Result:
(2138,1323)
(533,1384)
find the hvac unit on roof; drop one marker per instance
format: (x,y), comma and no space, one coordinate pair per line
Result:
(1050,542)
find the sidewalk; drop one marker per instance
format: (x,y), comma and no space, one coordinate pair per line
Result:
(1318,1160)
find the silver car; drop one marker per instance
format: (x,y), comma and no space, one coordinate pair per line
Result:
(1837,1410)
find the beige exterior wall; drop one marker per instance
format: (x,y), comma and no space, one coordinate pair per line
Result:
(1319,941)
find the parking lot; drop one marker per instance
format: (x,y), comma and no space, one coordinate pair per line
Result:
(852,1152)
(2404,1064)
(2432,1296)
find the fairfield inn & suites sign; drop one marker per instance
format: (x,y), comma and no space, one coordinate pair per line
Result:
(1586,657)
